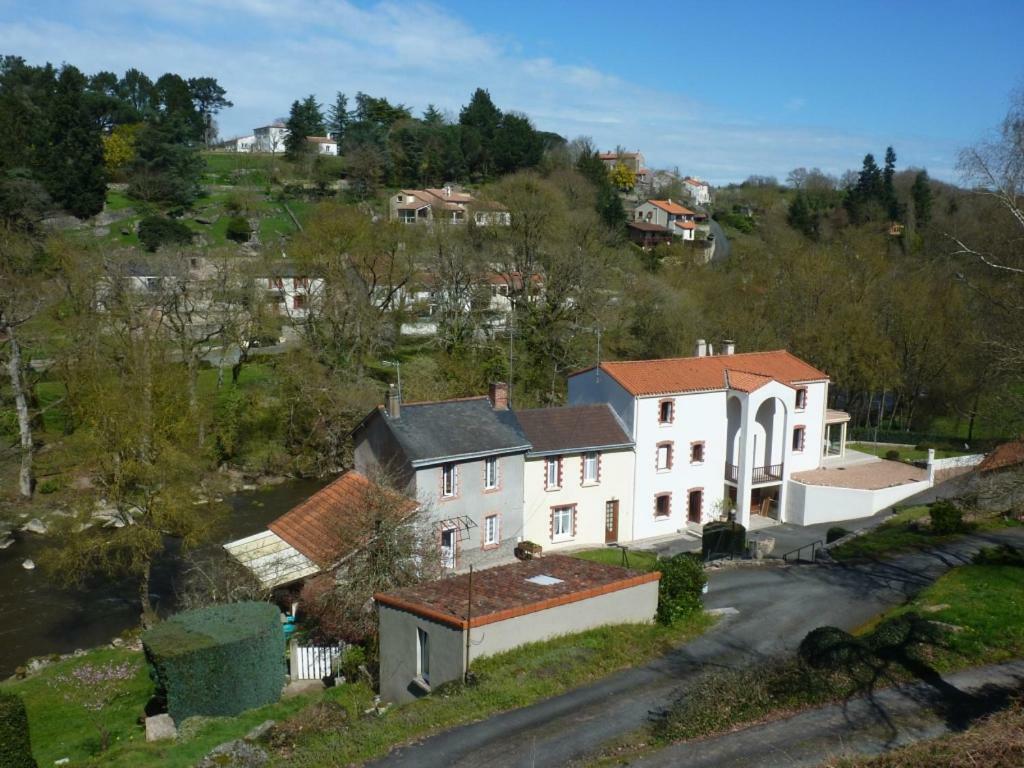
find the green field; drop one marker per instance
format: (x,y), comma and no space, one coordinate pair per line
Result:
(906,452)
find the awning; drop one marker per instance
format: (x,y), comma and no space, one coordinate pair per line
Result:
(271,559)
(836,417)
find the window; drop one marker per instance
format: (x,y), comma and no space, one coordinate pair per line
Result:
(696,453)
(553,472)
(490,530)
(300,283)
(422,655)
(798,439)
(449,480)
(562,519)
(590,468)
(663,505)
(664,459)
(666,412)
(298,301)
(491,473)
(277,282)
(801,398)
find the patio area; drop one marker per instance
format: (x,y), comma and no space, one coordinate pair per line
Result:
(863,472)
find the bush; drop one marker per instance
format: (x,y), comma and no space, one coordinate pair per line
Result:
(353,657)
(723,539)
(238,229)
(680,588)
(892,455)
(220,660)
(946,517)
(1004,554)
(15,744)
(156,231)
(835,533)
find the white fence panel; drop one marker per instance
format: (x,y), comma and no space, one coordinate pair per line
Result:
(312,662)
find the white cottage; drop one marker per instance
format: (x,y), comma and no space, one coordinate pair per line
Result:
(714,433)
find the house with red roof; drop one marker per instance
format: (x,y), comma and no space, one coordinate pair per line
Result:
(715,433)
(669,215)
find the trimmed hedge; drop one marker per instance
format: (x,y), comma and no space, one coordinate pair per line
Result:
(681,585)
(155,231)
(720,538)
(835,533)
(220,660)
(15,744)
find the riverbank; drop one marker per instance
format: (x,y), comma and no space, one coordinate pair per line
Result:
(40,618)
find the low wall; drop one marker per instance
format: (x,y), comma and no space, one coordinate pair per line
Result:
(811,504)
(958,462)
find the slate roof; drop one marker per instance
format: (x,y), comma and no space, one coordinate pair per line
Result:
(335,520)
(572,428)
(430,433)
(707,374)
(1006,455)
(503,593)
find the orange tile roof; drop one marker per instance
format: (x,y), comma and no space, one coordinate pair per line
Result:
(1006,455)
(686,225)
(745,382)
(504,592)
(337,519)
(669,207)
(704,374)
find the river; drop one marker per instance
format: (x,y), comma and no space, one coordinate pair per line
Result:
(38,618)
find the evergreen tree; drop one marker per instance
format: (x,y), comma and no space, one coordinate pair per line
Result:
(208,98)
(304,119)
(433,117)
(480,120)
(72,163)
(138,90)
(174,99)
(517,144)
(921,194)
(338,118)
(802,217)
(167,166)
(864,198)
(889,200)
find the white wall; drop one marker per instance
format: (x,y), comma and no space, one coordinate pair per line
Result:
(615,484)
(813,419)
(955,462)
(810,504)
(699,416)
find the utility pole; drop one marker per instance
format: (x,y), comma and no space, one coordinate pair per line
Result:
(469,622)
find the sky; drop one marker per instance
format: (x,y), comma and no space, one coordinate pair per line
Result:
(717,90)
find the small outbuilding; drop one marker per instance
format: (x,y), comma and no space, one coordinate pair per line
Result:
(431,632)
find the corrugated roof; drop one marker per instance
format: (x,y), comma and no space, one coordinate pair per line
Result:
(572,428)
(339,518)
(430,433)
(505,592)
(271,559)
(1006,455)
(696,374)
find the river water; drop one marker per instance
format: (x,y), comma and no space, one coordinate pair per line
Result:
(38,618)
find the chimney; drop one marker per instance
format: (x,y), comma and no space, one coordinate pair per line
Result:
(728,347)
(700,350)
(709,350)
(498,395)
(393,403)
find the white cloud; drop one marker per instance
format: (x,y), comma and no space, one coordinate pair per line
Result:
(267,53)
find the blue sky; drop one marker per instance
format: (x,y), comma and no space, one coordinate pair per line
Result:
(720,90)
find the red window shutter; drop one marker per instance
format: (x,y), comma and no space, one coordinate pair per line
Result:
(599,467)
(573,531)
(559,460)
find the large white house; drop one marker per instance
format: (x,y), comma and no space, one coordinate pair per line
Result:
(578,478)
(699,190)
(270,138)
(713,432)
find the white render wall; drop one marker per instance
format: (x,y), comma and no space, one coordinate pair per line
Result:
(698,416)
(615,484)
(813,418)
(809,504)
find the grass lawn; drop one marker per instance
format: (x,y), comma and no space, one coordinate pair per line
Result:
(900,533)
(638,560)
(905,453)
(62,728)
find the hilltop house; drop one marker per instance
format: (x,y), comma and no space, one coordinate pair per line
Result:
(698,190)
(449,203)
(270,138)
(578,480)
(713,431)
(667,214)
(462,460)
(635,162)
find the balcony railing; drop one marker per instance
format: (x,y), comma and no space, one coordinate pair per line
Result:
(772,473)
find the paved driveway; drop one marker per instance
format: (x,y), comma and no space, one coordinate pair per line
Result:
(776,606)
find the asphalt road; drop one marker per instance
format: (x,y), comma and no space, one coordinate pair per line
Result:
(722,247)
(777,606)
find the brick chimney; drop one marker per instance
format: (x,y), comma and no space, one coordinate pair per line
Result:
(498,394)
(393,403)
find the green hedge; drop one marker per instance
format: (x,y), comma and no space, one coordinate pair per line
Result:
(679,590)
(220,660)
(719,539)
(15,745)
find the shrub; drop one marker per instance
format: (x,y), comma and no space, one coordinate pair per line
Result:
(679,591)
(156,231)
(238,229)
(719,538)
(353,657)
(220,660)
(1004,554)
(946,517)
(892,455)
(835,533)
(15,744)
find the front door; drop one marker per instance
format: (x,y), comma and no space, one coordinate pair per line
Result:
(448,544)
(611,522)
(695,505)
